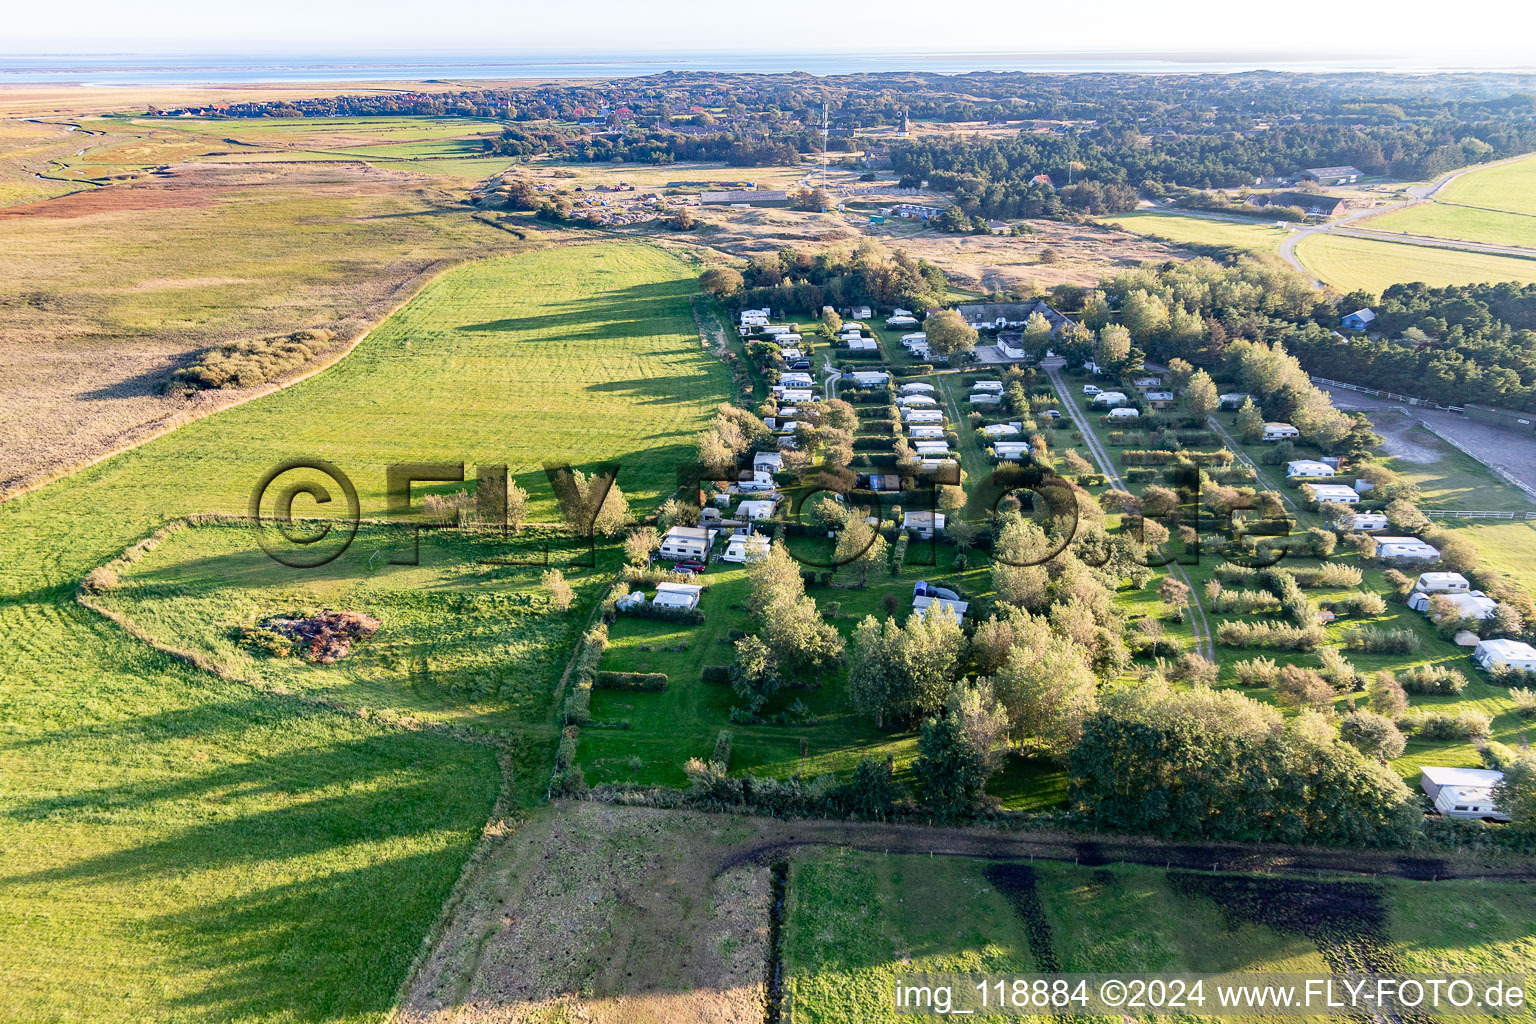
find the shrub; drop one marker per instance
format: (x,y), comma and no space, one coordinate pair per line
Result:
(265,641)
(1387,696)
(1300,687)
(1525,701)
(1432,679)
(1375,640)
(1270,634)
(100,580)
(722,754)
(243,364)
(1373,735)
(648,682)
(568,780)
(1329,574)
(1257,672)
(1341,675)
(1461,724)
(1247,602)
(716,674)
(1360,602)
(578,702)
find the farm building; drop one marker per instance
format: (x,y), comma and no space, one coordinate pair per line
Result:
(925,596)
(745,547)
(683,542)
(1110,398)
(917,387)
(1368,522)
(677,595)
(1474,604)
(1513,654)
(1333,175)
(998,315)
(1233,399)
(1124,413)
(1441,582)
(1323,206)
(1280,432)
(1359,320)
(1308,468)
(746,197)
(1334,493)
(1462,792)
(1406,548)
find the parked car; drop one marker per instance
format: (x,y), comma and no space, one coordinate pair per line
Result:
(689,566)
(1051,414)
(800,364)
(1092,389)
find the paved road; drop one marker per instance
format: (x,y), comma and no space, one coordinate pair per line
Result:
(1198,623)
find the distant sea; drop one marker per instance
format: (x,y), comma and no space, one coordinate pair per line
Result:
(131,70)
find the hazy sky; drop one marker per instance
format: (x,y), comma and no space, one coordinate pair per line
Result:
(1495,32)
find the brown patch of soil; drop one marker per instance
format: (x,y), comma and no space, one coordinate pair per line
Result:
(112,199)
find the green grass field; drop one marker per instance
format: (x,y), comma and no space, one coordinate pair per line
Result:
(1510,186)
(1258,236)
(856,923)
(184,848)
(1443,220)
(1349,263)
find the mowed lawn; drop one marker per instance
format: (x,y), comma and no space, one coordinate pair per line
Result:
(182,848)
(857,923)
(1257,236)
(1443,220)
(1510,186)
(1351,263)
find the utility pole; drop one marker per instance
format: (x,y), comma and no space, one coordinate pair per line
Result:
(824,137)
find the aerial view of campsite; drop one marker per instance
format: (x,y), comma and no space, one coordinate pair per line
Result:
(1008,514)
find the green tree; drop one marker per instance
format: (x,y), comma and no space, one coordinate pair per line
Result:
(871,792)
(948,334)
(1515,794)
(1250,422)
(1048,691)
(1374,735)
(1114,346)
(1200,396)
(950,771)
(721,282)
(1037,334)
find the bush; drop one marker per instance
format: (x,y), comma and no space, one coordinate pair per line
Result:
(1329,574)
(1375,640)
(578,702)
(1432,679)
(1360,602)
(1525,701)
(1271,634)
(1257,672)
(1461,724)
(100,580)
(722,754)
(716,674)
(1373,735)
(243,364)
(647,682)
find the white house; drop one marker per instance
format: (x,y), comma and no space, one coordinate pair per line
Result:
(1002,429)
(915,338)
(1110,398)
(917,401)
(1439,582)
(677,595)
(922,416)
(1124,414)
(745,547)
(988,385)
(1515,654)
(858,344)
(925,430)
(985,398)
(685,542)
(1368,522)
(1474,604)
(1308,468)
(925,596)
(922,523)
(901,321)
(916,388)
(871,378)
(1280,432)
(796,378)
(1011,451)
(1010,350)
(789,354)
(1462,792)
(1389,548)
(1338,494)
(751,511)
(798,395)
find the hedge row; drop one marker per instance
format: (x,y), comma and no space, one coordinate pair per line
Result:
(578,702)
(647,682)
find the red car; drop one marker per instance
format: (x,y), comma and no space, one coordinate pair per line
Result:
(688,567)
